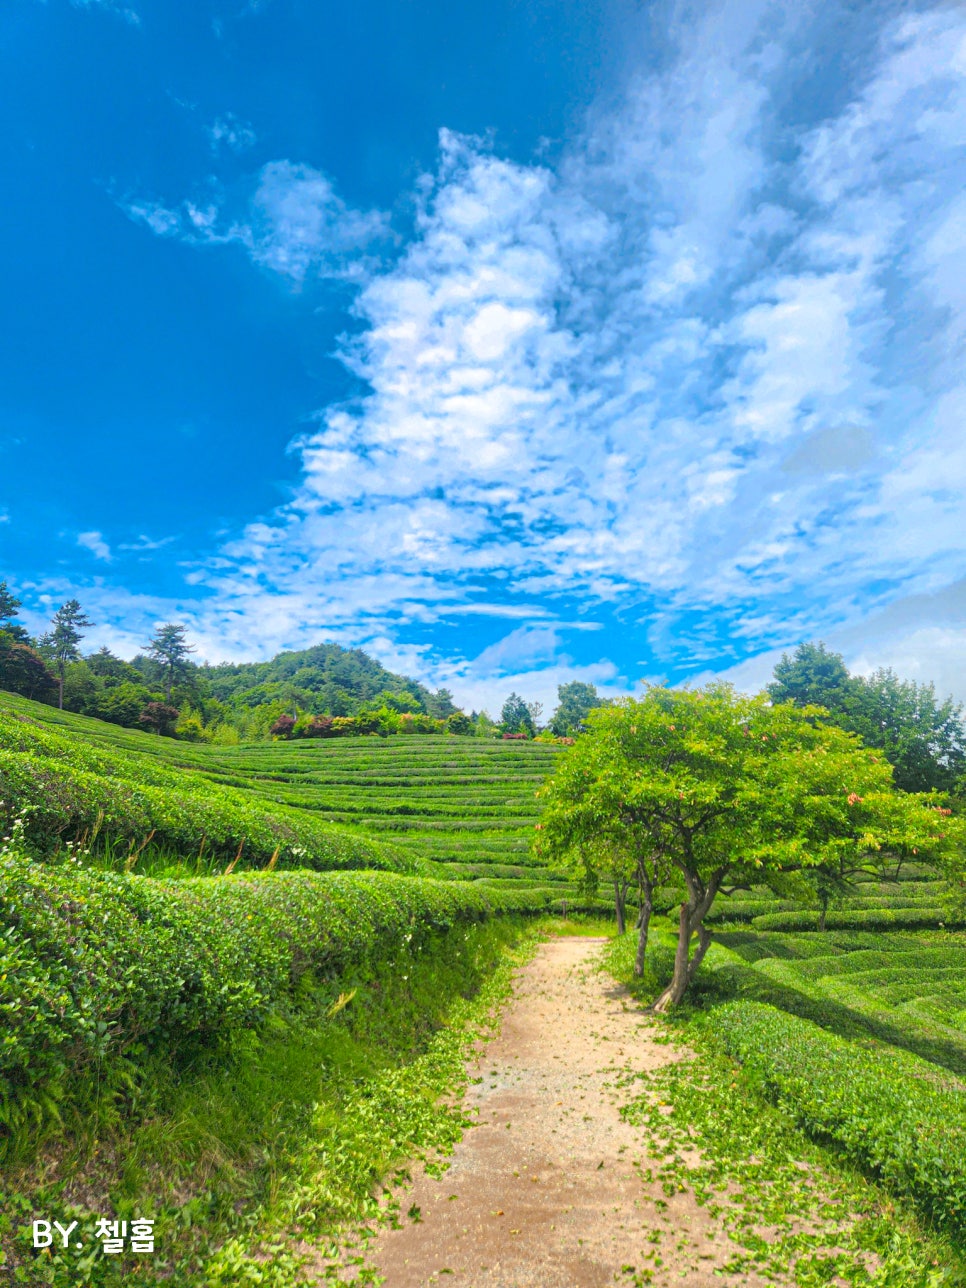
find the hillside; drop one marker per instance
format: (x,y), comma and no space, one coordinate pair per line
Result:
(467,804)
(325,678)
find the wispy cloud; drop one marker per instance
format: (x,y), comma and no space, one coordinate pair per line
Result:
(111,6)
(95,543)
(229,132)
(711,359)
(145,544)
(294,224)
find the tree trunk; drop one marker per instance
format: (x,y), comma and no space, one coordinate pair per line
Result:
(691,919)
(60,691)
(620,895)
(643,923)
(704,943)
(675,991)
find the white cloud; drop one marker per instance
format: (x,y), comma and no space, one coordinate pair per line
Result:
(111,6)
(712,356)
(95,543)
(921,637)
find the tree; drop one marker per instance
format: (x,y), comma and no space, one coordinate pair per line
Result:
(595,822)
(170,650)
(924,739)
(730,791)
(812,676)
(575,701)
(160,718)
(9,608)
(440,704)
(60,644)
(23,670)
(9,604)
(516,716)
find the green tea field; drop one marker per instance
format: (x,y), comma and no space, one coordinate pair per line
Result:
(465,805)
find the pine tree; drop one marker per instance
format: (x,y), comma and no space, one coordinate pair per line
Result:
(60,644)
(170,650)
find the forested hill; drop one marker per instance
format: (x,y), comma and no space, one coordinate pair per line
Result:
(323,678)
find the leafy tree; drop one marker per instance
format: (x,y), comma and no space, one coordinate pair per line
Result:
(729,792)
(575,701)
(440,704)
(160,718)
(484,726)
(171,651)
(80,687)
(812,676)
(516,716)
(23,670)
(596,823)
(923,738)
(60,644)
(112,669)
(121,703)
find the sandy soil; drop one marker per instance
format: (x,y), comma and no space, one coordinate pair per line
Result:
(543,1191)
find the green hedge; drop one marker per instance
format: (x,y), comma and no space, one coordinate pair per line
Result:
(96,965)
(888,1112)
(69,789)
(864,919)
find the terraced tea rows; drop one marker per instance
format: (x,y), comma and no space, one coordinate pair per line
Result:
(457,801)
(905,989)
(466,803)
(918,898)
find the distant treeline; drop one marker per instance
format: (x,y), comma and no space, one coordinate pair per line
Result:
(328,691)
(321,692)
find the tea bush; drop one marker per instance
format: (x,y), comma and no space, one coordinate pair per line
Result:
(67,789)
(892,1114)
(915,918)
(99,965)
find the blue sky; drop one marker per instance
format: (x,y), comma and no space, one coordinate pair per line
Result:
(514,343)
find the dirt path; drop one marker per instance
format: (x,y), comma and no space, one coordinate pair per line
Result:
(543,1192)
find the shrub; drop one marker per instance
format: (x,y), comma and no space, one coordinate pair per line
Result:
(96,965)
(919,918)
(887,1111)
(69,789)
